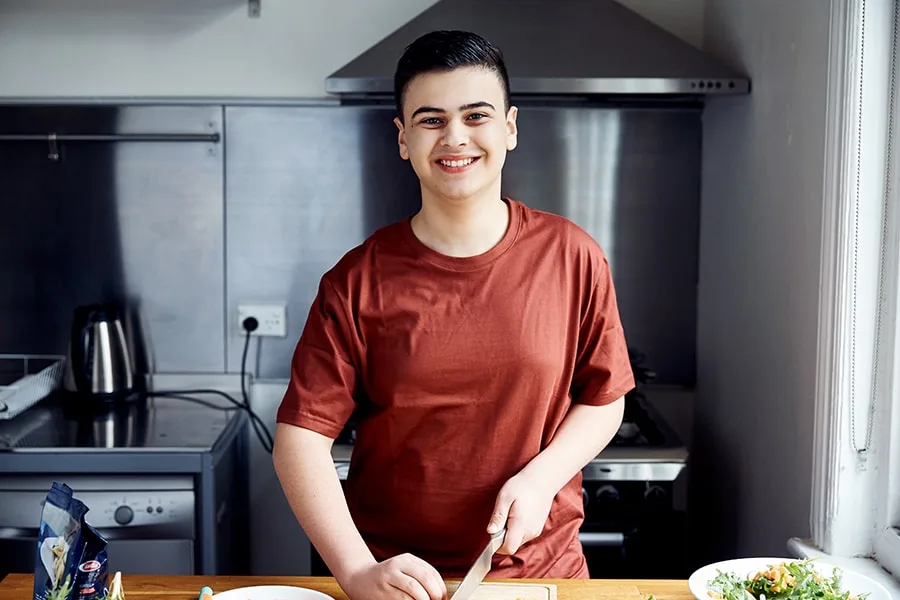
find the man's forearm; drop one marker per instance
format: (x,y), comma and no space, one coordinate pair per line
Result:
(304,466)
(584,432)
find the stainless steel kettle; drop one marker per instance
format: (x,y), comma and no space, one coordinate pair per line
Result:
(99,357)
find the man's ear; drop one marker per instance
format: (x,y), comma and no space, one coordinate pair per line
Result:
(512,129)
(401,138)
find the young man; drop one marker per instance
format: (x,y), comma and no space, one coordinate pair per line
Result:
(481,343)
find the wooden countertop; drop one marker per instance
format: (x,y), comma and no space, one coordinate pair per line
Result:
(144,587)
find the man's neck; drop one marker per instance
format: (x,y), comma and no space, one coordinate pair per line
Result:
(461,229)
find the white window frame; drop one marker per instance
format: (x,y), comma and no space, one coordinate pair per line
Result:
(856,513)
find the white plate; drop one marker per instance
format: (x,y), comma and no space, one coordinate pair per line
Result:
(855,583)
(271,592)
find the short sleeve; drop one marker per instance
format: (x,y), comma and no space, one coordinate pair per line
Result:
(602,369)
(324,378)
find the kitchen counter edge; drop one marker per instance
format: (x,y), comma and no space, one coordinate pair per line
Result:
(18,586)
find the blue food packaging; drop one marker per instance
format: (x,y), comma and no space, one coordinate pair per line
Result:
(71,555)
(92,574)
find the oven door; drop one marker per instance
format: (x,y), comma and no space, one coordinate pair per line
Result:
(604,552)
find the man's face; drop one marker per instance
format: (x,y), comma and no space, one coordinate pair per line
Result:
(455,132)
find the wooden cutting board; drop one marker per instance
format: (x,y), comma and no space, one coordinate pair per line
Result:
(510,591)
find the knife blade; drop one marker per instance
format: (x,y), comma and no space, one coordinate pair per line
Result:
(480,568)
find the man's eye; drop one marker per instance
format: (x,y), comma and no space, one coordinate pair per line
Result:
(477,116)
(431,121)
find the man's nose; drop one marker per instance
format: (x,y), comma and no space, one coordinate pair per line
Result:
(455,135)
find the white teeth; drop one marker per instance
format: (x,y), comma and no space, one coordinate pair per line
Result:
(457,163)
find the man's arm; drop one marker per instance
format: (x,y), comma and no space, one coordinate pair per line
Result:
(583,434)
(305,468)
(311,485)
(524,501)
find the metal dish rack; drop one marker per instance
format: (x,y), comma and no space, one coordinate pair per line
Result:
(26,379)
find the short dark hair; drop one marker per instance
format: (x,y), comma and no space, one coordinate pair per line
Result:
(444,51)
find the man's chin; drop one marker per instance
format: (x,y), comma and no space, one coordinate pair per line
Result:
(458,195)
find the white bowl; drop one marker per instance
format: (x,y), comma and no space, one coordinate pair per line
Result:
(855,583)
(271,592)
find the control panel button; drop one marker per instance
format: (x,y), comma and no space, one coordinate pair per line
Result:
(124,515)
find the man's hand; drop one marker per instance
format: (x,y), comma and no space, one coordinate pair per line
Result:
(523,505)
(524,501)
(399,578)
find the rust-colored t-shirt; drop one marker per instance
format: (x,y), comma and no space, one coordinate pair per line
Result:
(463,369)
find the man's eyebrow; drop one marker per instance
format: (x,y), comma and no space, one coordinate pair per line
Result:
(477,105)
(428,109)
(464,107)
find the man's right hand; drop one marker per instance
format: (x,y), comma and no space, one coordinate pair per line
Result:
(402,577)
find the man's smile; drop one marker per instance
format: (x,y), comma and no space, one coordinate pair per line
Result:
(456,165)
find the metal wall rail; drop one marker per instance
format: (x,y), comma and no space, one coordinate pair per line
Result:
(53,139)
(110,137)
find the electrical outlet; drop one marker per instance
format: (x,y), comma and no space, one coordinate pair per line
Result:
(271,317)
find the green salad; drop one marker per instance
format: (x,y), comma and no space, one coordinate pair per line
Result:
(795,580)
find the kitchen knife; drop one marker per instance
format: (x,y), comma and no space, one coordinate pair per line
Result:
(481,567)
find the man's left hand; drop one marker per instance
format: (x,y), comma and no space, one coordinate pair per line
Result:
(523,505)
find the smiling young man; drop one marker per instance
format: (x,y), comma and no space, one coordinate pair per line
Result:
(480,344)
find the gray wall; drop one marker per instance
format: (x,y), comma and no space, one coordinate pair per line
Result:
(185,231)
(763,158)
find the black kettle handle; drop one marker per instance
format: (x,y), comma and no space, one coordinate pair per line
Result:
(83,352)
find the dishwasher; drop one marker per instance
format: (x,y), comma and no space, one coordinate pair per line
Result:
(148,520)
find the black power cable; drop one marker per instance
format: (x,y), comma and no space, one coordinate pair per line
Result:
(250,324)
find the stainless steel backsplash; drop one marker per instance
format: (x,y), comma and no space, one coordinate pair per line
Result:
(185,231)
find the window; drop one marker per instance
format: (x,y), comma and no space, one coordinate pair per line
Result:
(856,479)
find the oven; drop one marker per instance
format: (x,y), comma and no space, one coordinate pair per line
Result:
(632,530)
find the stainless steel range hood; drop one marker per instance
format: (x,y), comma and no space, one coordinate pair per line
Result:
(555,47)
